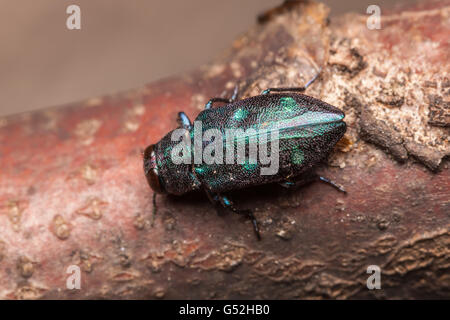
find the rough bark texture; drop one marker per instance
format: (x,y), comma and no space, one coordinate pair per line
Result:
(72,189)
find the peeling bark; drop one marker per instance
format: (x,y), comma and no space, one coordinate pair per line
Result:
(73,192)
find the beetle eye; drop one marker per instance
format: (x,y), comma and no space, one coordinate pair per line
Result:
(151,169)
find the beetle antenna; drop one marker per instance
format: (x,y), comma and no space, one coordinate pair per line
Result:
(154,209)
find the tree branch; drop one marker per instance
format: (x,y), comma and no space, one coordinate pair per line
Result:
(73,192)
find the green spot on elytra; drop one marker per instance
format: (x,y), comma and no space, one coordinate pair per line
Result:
(167,152)
(297,156)
(240,114)
(200,170)
(288,103)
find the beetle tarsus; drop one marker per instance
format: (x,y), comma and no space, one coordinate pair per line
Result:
(252,218)
(332,183)
(255,223)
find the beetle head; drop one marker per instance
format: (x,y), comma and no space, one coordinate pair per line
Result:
(151,169)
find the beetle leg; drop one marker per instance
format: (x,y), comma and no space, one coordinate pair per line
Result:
(287,184)
(213,198)
(310,178)
(235,93)
(228,204)
(153,209)
(183,121)
(332,183)
(293,89)
(209,104)
(295,182)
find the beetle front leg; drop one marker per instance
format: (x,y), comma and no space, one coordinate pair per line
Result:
(293,89)
(183,120)
(228,204)
(209,104)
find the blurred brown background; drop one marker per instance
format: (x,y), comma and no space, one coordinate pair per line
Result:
(122,44)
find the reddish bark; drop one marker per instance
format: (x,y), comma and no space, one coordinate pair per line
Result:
(72,188)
